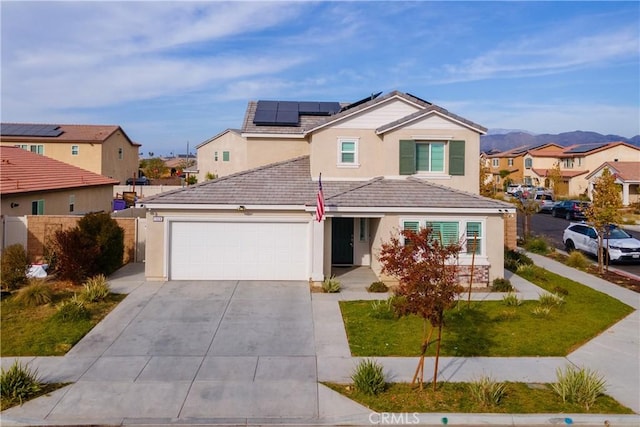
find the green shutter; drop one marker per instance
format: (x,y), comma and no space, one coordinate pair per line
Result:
(445,231)
(407,157)
(456,158)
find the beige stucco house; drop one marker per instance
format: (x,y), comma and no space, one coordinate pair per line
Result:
(105,150)
(627,176)
(31,184)
(387,163)
(576,163)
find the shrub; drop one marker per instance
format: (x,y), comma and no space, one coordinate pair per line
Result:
(331,285)
(14,265)
(378,287)
(511,300)
(579,385)
(576,259)
(94,246)
(382,309)
(19,383)
(541,311)
(527,269)
(487,391)
(550,300)
(95,289)
(72,310)
(35,294)
(501,285)
(537,245)
(514,259)
(368,377)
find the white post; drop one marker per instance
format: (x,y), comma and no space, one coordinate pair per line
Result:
(625,194)
(317,251)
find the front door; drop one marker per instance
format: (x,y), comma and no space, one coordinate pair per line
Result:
(342,241)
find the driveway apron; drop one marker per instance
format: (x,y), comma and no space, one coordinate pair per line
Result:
(196,350)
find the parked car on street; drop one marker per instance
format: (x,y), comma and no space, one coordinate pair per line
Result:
(142,180)
(545,201)
(618,245)
(570,209)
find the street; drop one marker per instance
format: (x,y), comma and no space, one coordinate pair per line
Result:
(551,228)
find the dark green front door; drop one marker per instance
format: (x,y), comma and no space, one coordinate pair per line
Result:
(342,241)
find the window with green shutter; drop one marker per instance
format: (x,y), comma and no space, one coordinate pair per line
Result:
(410,225)
(445,231)
(474,238)
(407,157)
(225,156)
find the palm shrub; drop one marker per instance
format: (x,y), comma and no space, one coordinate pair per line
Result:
(487,391)
(14,265)
(368,377)
(537,245)
(72,310)
(382,309)
(579,385)
(331,285)
(19,383)
(378,287)
(95,289)
(513,259)
(36,293)
(501,284)
(511,300)
(547,299)
(576,259)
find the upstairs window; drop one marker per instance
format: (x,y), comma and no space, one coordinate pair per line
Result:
(495,162)
(215,156)
(120,153)
(75,150)
(431,157)
(509,162)
(347,152)
(567,163)
(225,156)
(528,163)
(38,149)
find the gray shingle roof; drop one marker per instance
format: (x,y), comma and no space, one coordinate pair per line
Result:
(290,183)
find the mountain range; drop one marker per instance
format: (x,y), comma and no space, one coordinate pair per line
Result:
(504,139)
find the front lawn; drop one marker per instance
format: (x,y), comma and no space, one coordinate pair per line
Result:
(520,398)
(36,331)
(491,328)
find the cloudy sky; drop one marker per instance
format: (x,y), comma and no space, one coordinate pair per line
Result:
(172,73)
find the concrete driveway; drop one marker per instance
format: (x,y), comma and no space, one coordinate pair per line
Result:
(190,351)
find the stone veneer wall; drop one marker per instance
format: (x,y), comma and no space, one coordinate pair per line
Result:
(480,275)
(42,228)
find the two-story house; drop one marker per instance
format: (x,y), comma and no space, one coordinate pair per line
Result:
(31,184)
(386,163)
(576,163)
(506,166)
(105,150)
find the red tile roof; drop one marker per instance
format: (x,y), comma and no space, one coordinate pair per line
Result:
(22,171)
(564,173)
(74,133)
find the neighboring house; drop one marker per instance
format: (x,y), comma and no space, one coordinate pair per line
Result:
(31,184)
(105,150)
(387,163)
(506,166)
(576,162)
(627,175)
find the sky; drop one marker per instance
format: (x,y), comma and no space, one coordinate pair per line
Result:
(173,74)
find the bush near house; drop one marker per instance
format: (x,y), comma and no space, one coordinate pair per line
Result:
(95,246)
(15,263)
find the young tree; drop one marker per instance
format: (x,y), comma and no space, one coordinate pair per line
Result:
(527,207)
(555,177)
(428,279)
(486,185)
(155,168)
(604,209)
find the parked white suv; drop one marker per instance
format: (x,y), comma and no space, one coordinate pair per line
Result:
(619,246)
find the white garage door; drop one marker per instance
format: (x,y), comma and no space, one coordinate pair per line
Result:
(238,251)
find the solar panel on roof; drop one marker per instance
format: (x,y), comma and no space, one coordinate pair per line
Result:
(286,118)
(362,101)
(17,129)
(265,117)
(288,106)
(267,105)
(585,148)
(309,107)
(329,107)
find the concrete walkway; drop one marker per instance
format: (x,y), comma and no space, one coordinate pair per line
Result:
(245,353)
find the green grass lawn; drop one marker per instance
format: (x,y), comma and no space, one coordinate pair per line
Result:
(520,398)
(491,328)
(34,331)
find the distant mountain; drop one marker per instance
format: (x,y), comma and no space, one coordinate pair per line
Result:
(497,139)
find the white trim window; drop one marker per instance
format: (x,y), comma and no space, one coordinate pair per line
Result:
(430,156)
(348,152)
(510,162)
(75,150)
(469,233)
(495,163)
(72,203)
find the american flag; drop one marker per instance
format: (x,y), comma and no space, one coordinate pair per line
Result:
(320,201)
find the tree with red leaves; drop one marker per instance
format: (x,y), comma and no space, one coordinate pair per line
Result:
(427,272)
